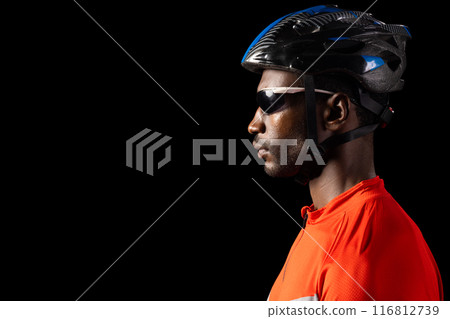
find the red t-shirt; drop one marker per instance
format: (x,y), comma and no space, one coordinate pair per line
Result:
(360,246)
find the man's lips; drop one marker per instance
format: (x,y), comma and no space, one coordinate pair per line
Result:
(262,151)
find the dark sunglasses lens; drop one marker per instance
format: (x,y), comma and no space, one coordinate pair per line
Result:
(268,101)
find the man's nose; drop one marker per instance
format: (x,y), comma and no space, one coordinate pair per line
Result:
(257,124)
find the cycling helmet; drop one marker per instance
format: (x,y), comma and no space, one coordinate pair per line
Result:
(370,51)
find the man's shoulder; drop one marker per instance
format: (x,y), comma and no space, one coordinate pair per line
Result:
(376,206)
(378,219)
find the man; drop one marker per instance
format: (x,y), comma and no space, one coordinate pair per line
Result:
(326,77)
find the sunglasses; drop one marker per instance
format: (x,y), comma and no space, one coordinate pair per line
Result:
(272,99)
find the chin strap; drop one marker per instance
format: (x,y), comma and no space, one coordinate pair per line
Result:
(310,101)
(343,138)
(310,171)
(385,114)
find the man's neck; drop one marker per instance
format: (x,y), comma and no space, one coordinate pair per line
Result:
(350,164)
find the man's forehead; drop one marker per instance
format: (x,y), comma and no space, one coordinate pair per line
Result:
(278,78)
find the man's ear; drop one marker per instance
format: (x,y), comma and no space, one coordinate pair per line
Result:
(336,111)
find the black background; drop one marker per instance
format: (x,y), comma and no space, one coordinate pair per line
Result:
(72,207)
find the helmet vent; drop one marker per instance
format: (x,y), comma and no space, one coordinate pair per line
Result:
(392,42)
(392,60)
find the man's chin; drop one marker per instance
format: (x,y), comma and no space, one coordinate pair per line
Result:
(283,171)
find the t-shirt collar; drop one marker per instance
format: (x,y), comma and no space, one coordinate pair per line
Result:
(339,201)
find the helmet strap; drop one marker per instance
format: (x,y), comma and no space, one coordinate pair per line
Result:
(351,135)
(310,101)
(310,170)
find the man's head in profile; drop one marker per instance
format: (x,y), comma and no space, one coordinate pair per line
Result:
(325,82)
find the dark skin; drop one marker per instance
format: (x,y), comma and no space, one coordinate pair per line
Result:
(347,165)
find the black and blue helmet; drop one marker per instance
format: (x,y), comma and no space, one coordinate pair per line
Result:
(359,45)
